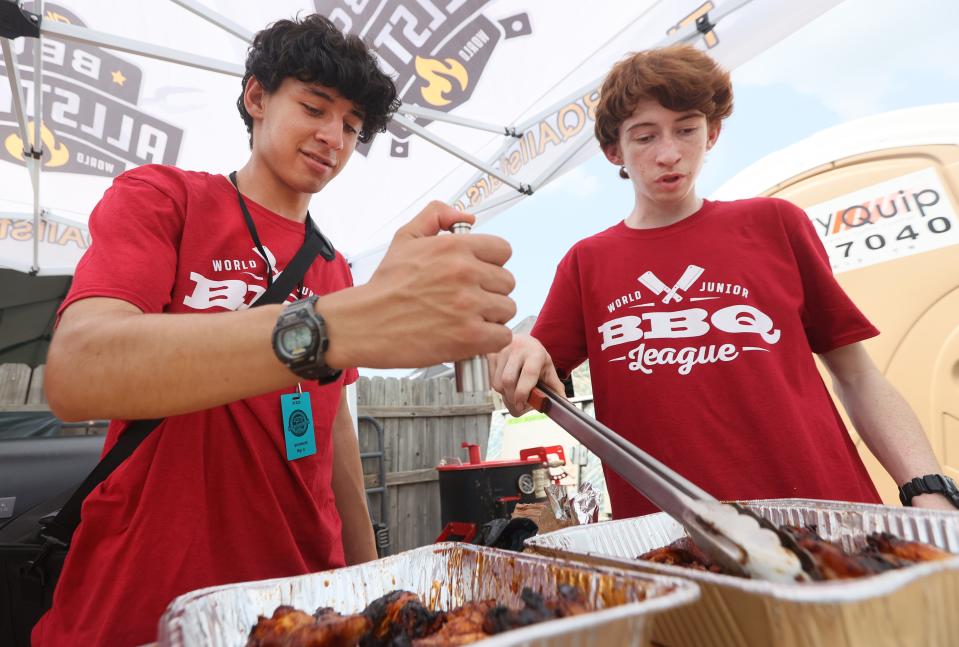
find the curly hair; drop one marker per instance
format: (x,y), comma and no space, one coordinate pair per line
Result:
(678,77)
(313,50)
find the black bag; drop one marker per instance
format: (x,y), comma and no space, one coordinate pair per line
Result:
(33,546)
(23,598)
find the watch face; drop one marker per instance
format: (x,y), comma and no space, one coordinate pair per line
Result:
(296,340)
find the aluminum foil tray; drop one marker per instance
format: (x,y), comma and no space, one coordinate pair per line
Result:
(445,575)
(918,605)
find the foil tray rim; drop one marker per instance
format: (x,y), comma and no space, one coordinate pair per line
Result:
(664,592)
(837,591)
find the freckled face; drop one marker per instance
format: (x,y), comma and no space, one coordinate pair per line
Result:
(663,151)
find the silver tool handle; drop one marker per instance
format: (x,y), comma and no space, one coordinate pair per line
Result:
(471,374)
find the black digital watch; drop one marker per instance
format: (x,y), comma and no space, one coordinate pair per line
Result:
(300,341)
(929,484)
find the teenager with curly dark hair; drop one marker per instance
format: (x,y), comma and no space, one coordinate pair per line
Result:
(700,318)
(313,50)
(159,324)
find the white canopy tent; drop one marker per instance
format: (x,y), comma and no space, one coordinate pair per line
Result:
(488,114)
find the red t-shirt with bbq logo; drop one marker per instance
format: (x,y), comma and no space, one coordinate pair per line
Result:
(700,339)
(209,497)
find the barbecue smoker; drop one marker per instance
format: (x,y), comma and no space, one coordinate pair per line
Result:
(474,493)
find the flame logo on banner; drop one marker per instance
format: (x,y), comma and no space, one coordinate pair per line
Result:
(438,74)
(91,118)
(58,152)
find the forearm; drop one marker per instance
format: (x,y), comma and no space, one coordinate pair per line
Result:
(349,489)
(130,365)
(889,428)
(432,299)
(109,360)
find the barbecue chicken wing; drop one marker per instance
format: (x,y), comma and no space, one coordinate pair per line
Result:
(464,625)
(682,552)
(883,552)
(912,551)
(398,618)
(289,627)
(535,609)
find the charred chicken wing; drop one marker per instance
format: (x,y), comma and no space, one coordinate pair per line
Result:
(292,628)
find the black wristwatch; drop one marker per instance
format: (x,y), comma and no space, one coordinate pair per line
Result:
(929,484)
(300,341)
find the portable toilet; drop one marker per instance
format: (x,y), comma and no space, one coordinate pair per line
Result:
(883,194)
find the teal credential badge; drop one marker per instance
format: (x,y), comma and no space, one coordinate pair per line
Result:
(298,425)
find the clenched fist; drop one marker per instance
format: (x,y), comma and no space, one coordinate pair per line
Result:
(432,299)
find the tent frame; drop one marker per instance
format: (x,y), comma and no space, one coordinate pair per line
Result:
(32,25)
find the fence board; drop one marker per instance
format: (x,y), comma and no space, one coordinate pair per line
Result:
(403,478)
(424,421)
(14,383)
(36,394)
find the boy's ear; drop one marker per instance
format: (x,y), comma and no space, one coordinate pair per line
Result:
(712,134)
(613,153)
(253,96)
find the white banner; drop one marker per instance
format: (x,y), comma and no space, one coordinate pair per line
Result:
(531,65)
(894,219)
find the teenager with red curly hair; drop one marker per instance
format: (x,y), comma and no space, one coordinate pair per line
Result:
(700,318)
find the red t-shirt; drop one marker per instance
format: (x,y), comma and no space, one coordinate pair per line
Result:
(209,497)
(700,337)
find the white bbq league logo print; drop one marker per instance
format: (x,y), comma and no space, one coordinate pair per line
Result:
(628,334)
(234,293)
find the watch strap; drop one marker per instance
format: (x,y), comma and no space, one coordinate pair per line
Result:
(314,368)
(929,484)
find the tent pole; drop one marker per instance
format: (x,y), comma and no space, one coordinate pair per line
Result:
(547,175)
(704,24)
(217,19)
(414,127)
(47,216)
(497,202)
(85,36)
(536,184)
(688,33)
(497,155)
(16,90)
(439,115)
(592,86)
(36,146)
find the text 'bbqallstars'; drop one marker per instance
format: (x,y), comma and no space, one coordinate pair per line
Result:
(91,124)
(21,231)
(551,131)
(739,319)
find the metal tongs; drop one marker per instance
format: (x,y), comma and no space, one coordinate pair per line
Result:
(735,537)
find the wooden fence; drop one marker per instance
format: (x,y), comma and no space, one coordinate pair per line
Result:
(423,422)
(21,389)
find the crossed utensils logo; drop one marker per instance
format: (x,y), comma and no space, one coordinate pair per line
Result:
(685,281)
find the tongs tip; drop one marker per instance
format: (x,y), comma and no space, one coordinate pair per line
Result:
(742,544)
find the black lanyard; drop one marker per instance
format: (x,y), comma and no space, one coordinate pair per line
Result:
(256,238)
